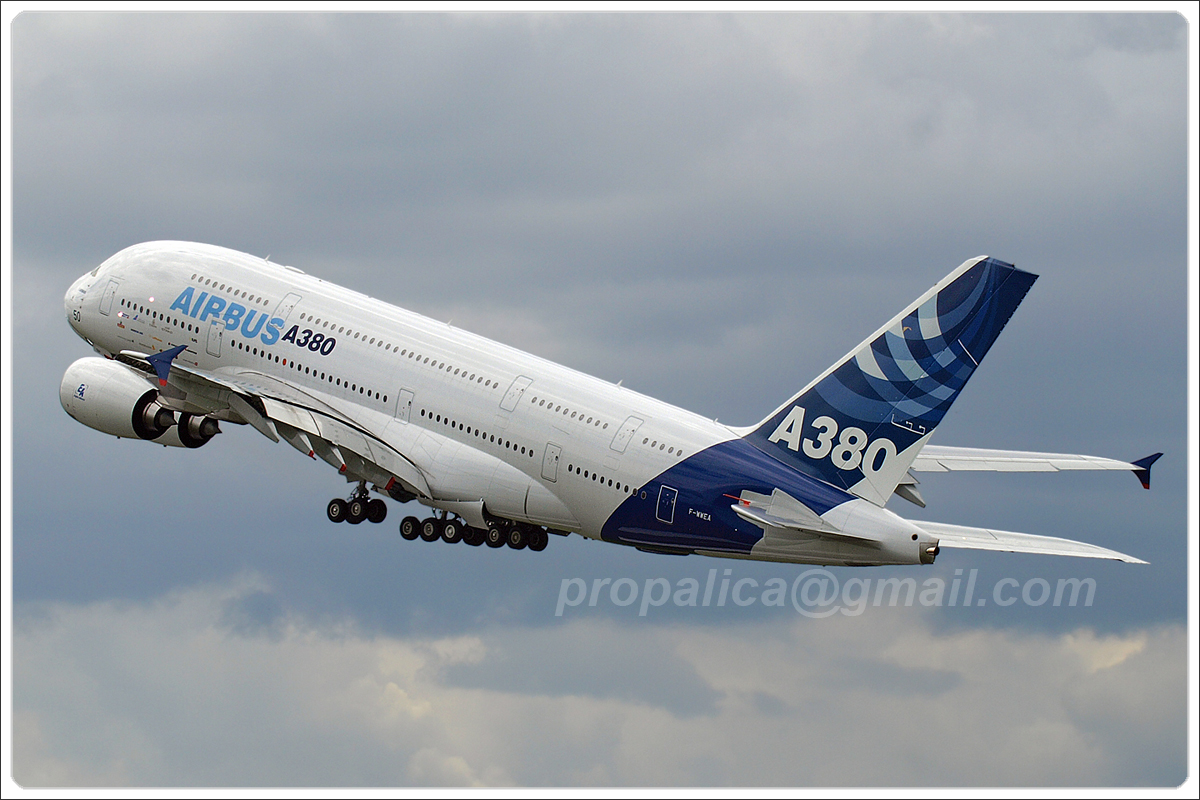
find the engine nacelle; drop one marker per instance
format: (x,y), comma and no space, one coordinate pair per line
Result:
(194,430)
(117,400)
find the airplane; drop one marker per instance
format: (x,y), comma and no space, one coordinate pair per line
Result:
(507,448)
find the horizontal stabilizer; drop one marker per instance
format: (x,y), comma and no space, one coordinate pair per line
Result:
(950,459)
(966,538)
(781,512)
(972,459)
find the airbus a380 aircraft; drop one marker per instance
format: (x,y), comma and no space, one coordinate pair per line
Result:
(507,447)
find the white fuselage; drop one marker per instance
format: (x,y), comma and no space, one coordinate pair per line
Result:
(480,420)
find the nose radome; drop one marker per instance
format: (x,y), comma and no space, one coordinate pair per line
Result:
(73,299)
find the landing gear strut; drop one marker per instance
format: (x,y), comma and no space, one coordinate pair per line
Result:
(357,507)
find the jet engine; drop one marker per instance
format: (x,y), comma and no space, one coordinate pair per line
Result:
(194,430)
(119,401)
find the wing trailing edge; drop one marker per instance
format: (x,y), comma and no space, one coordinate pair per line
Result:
(963,537)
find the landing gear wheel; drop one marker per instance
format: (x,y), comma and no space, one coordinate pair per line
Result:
(431,530)
(356,511)
(538,539)
(517,537)
(494,536)
(376,511)
(474,536)
(451,532)
(410,528)
(336,510)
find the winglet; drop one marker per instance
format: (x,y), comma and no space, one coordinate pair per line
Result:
(1143,468)
(162,362)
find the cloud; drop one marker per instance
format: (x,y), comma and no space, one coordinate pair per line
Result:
(181,691)
(587,142)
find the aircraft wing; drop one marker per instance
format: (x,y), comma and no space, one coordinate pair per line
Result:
(948,459)
(961,536)
(280,410)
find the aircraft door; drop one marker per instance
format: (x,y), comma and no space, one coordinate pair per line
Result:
(286,305)
(666,504)
(106,301)
(513,395)
(216,332)
(404,405)
(550,462)
(621,440)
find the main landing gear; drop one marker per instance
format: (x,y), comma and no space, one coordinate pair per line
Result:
(451,530)
(357,507)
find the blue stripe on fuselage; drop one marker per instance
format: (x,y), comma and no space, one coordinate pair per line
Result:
(703,481)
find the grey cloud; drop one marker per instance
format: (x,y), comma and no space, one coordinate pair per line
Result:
(493,128)
(592,660)
(255,613)
(160,694)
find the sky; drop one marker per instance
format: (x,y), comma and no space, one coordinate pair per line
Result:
(710,208)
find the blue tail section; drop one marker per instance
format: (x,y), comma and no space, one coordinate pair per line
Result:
(862,422)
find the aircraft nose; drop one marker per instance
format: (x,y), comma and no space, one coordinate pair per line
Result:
(73,299)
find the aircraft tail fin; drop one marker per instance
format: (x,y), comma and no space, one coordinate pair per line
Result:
(861,423)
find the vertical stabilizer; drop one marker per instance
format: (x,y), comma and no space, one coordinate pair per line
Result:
(861,423)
